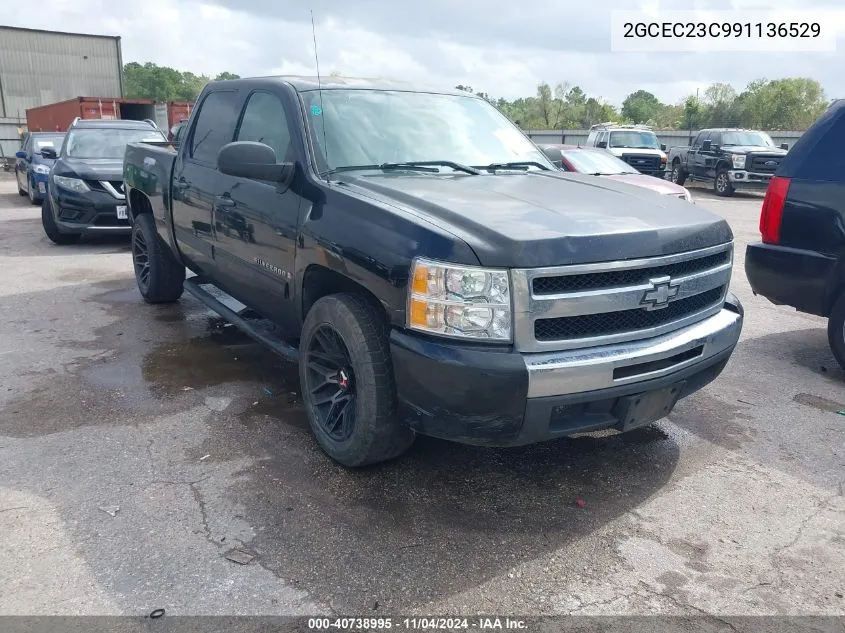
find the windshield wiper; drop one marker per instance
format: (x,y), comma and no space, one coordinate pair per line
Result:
(428,166)
(521,165)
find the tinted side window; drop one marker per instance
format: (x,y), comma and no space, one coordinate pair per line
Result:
(215,125)
(716,138)
(264,121)
(818,154)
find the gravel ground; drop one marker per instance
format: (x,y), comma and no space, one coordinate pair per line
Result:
(140,446)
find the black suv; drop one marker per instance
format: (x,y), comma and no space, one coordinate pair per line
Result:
(801,260)
(85,195)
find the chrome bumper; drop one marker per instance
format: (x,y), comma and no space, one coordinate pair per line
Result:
(590,369)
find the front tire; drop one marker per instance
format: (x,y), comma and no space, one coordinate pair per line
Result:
(722,184)
(159,276)
(836,330)
(33,199)
(346,377)
(51,229)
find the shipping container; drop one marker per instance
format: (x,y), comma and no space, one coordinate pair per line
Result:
(57,117)
(172,113)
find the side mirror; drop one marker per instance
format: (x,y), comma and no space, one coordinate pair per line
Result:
(663,147)
(256,161)
(706,146)
(602,144)
(784,146)
(49,152)
(20,154)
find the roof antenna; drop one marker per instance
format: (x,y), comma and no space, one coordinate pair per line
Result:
(320,91)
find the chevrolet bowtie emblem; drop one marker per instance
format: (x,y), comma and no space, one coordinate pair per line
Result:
(662,291)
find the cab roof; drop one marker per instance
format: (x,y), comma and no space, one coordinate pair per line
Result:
(302,83)
(125,124)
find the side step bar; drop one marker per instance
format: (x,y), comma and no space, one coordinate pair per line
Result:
(194,286)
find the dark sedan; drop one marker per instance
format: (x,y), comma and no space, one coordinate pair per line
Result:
(32,169)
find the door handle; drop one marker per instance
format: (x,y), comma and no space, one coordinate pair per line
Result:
(181,184)
(224,202)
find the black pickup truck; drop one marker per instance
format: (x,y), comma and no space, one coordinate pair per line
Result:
(729,159)
(428,267)
(800,261)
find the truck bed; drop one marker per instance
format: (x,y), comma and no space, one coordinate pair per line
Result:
(148,168)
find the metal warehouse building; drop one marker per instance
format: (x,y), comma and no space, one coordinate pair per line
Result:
(43,67)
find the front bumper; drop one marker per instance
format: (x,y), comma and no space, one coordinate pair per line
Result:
(90,213)
(789,276)
(741,179)
(501,398)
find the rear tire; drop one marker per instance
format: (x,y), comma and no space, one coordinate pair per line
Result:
(836,330)
(51,229)
(678,175)
(159,276)
(346,377)
(722,183)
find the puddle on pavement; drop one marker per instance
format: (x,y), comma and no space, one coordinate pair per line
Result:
(818,402)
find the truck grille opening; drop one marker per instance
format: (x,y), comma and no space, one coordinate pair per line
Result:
(764,164)
(630,277)
(642,162)
(609,323)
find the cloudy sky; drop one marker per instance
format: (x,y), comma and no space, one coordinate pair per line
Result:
(502,47)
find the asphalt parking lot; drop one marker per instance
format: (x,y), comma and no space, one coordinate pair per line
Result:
(140,446)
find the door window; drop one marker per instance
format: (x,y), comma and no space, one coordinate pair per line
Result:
(264,121)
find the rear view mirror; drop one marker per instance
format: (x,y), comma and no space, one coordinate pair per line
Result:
(256,161)
(602,144)
(706,146)
(49,152)
(20,154)
(784,146)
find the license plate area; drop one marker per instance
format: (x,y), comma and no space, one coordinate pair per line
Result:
(644,408)
(121,213)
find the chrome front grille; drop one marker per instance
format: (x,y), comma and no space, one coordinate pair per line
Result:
(568,307)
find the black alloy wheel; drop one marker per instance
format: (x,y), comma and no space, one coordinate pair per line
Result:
(141,260)
(331,383)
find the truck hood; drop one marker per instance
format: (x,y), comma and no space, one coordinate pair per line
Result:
(754,149)
(92,168)
(549,218)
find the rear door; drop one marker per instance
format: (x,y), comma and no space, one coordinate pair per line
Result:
(257,222)
(196,179)
(22,165)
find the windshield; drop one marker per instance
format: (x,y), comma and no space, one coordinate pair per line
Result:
(759,139)
(592,162)
(106,142)
(634,139)
(40,142)
(372,127)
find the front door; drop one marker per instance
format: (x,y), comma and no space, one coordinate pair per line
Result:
(255,221)
(196,180)
(22,166)
(700,156)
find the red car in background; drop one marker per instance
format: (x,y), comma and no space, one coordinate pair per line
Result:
(598,162)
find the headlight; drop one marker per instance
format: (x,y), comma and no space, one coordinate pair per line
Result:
(662,159)
(460,301)
(41,169)
(738,161)
(71,184)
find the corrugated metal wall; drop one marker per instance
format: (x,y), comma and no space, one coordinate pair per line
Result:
(43,67)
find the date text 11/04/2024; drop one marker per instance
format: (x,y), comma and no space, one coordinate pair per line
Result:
(419,623)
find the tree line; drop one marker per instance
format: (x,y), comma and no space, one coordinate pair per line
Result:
(791,103)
